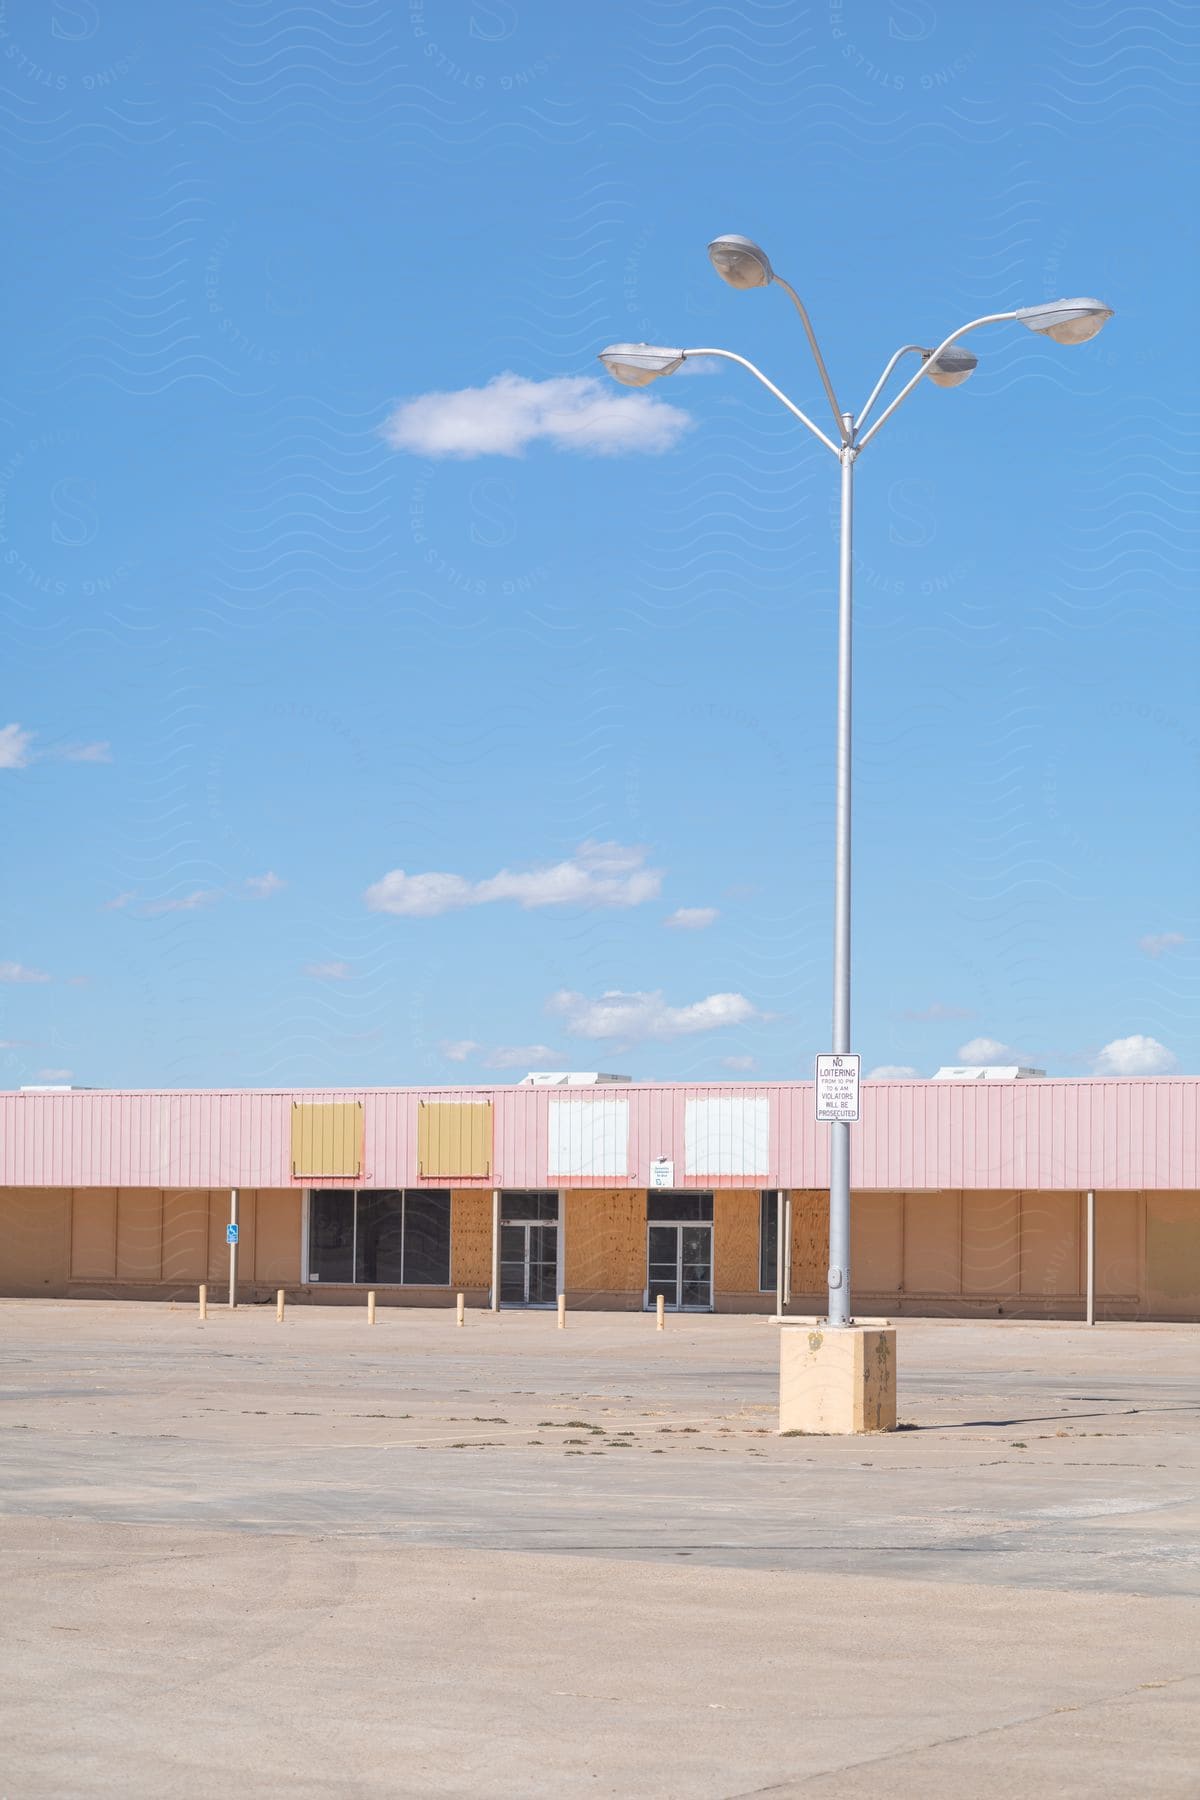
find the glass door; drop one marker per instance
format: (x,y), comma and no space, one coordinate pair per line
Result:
(679,1267)
(662,1266)
(529,1249)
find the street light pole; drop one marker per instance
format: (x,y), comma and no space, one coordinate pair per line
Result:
(839,1131)
(743,264)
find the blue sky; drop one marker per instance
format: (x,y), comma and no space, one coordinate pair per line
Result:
(274,661)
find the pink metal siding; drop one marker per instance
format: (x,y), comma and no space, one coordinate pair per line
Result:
(1035,1135)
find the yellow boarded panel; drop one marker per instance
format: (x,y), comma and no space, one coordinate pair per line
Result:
(454,1138)
(327,1137)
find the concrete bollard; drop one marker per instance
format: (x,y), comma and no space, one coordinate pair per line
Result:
(203,1300)
(370,1306)
(280,1296)
(461,1310)
(562,1312)
(661,1320)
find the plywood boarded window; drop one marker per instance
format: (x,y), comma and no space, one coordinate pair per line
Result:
(327,1137)
(589,1137)
(730,1135)
(454,1138)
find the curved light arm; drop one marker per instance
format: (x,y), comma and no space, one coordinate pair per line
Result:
(930,362)
(732,356)
(904,349)
(800,307)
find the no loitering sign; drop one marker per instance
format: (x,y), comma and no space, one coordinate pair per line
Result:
(837,1089)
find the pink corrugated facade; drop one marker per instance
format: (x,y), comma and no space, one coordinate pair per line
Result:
(1030,1135)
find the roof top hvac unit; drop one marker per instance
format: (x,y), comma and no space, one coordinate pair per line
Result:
(1005,1072)
(569,1078)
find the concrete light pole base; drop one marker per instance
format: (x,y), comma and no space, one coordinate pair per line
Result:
(837,1382)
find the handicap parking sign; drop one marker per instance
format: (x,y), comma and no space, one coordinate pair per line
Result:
(231,1234)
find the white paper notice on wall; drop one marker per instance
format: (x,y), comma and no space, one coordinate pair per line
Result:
(589,1137)
(837,1089)
(662,1173)
(730,1135)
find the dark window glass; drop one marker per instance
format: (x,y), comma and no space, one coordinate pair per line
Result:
(426,1238)
(679,1206)
(377,1255)
(331,1235)
(516,1209)
(768,1241)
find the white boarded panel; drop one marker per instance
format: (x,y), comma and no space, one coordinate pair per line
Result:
(730,1135)
(589,1137)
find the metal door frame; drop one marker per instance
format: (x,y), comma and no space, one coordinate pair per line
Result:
(678,1226)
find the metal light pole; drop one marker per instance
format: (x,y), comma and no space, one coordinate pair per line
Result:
(743,264)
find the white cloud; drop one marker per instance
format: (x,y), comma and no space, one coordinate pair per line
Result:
(988,1050)
(1160,942)
(894,1072)
(120,901)
(14,747)
(520,1056)
(597,875)
(100,752)
(261,887)
(15,971)
(510,412)
(459,1049)
(744,1063)
(329,971)
(1135,1055)
(186,903)
(691,918)
(634,1017)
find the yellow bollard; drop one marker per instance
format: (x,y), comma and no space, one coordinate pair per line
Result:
(203,1300)
(461,1310)
(279,1299)
(661,1320)
(562,1312)
(370,1306)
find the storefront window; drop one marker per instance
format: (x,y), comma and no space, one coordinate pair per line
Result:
(381,1237)
(768,1240)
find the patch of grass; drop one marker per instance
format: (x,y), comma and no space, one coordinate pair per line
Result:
(796,1433)
(1017,1444)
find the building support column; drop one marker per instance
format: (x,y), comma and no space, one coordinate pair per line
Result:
(1091,1256)
(495,1250)
(233,1246)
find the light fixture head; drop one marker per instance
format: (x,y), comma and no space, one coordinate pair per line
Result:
(1066,321)
(740,261)
(952,367)
(637,365)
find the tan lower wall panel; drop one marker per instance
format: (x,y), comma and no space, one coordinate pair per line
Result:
(876,1243)
(1050,1226)
(139,1234)
(35,1239)
(810,1242)
(931,1261)
(1173,1254)
(1118,1244)
(736,1218)
(470,1237)
(185,1234)
(606,1242)
(277,1216)
(990,1242)
(94,1234)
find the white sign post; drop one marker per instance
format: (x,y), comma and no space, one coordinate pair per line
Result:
(837,1089)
